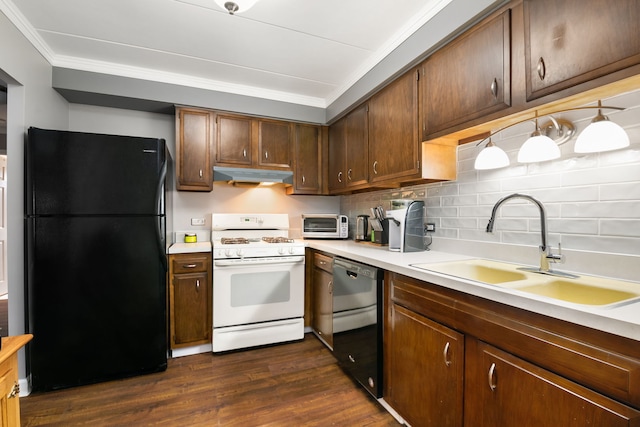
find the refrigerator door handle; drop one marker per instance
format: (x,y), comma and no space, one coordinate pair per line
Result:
(160,224)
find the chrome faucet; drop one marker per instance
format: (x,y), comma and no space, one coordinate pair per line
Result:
(546,254)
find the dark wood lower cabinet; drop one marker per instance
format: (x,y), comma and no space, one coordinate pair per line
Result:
(502,390)
(453,359)
(426,370)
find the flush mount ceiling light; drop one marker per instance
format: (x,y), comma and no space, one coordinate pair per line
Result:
(600,135)
(236,6)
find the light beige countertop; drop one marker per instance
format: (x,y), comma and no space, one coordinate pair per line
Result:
(189,248)
(622,320)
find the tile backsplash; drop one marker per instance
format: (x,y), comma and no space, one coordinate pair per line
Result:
(592,200)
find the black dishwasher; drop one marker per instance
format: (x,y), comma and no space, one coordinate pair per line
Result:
(357,322)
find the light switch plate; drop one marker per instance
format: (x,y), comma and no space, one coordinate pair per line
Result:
(197,221)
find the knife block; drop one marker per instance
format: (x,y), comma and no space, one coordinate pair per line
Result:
(381,237)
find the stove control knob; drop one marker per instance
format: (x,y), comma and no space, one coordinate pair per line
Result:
(240,252)
(228,253)
(291,250)
(281,251)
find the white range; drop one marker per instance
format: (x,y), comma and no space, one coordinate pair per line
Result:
(258,281)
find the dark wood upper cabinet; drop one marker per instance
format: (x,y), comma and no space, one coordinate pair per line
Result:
(244,141)
(569,42)
(348,151)
(233,140)
(274,144)
(195,130)
(394,145)
(469,78)
(307,159)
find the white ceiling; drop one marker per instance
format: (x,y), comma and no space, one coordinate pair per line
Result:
(304,51)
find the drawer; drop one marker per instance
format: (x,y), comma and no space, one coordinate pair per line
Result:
(189,263)
(323,262)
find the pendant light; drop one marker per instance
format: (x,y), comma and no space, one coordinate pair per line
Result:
(538,148)
(601,135)
(236,6)
(491,157)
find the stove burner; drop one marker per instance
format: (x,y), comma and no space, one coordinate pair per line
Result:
(234,240)
(277,240)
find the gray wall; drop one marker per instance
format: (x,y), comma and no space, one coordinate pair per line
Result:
(31,101)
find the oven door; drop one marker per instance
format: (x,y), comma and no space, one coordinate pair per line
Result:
(257,290)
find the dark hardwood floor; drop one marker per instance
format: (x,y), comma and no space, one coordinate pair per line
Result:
(296,384)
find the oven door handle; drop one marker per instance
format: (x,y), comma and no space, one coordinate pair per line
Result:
(258,261)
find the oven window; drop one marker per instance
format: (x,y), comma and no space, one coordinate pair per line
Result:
(260,288)
(320,225)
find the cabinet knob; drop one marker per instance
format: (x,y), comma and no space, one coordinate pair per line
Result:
(197,284)
(266,155)
(330,286)
(375,167)
(349,174)
(494,88)
(351,359)
(303,180)
(200,173)
(492,377)
(244,153)
(542,69)
(339,176)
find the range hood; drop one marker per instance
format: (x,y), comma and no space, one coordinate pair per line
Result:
(253,176)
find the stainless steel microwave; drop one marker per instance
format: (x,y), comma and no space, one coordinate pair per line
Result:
(325,226)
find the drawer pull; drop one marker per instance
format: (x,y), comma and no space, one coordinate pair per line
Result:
(197,284)
(339,176)
(244,153)
(351,359)
(330,286)
(189,265)
(494,88)
(445,353)
(349,174)
(375,167)
(492,377)
(200,173)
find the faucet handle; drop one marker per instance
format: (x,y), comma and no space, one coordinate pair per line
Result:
(559,258)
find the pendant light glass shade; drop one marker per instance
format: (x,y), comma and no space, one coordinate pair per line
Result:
(491,157)
(601,135)
(538,148)
(236,6)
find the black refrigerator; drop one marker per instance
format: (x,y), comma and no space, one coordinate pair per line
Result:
(95,232)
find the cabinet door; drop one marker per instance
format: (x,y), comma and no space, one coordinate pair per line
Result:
(194,145)
(337,156)
(191,309)
(503,390)
(233,140)
(394,146)
(426,368)
(568,42)
(307,143)
(323,305)
(357,147)
(274,144)
(469,78)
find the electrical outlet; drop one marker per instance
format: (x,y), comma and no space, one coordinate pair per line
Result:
(430,227)
(197,221)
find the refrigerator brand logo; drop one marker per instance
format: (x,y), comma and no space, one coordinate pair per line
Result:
(149,151)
